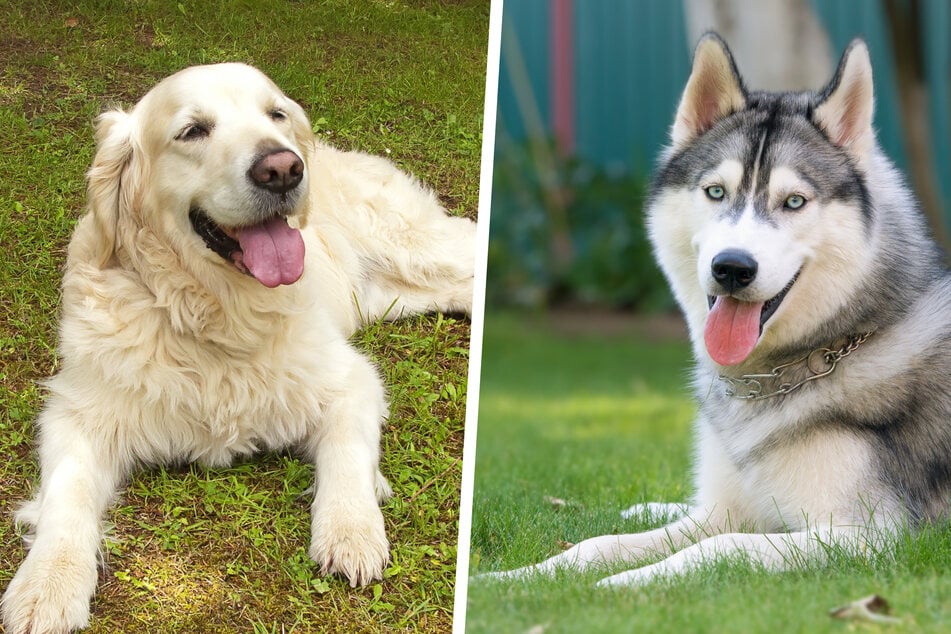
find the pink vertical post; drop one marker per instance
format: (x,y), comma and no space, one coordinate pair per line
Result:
(563,74)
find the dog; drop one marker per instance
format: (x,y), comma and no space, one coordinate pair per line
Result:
(209,292)
(819,312)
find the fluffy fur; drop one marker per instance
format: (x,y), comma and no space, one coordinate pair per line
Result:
(170,352)
(781,208)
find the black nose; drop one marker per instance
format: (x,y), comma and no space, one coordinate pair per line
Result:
(279,171)
(733,269)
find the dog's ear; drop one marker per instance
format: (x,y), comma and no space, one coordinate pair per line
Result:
(104,194)
(846,106)
(714,91)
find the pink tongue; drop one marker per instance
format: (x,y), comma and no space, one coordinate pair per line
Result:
(273,252)
(732,330)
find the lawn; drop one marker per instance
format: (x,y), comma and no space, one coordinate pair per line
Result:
(598,422)
(224,550)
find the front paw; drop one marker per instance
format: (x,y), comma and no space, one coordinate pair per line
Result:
(50,594)
(350,541)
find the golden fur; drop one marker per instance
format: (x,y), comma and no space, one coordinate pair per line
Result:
(169,352)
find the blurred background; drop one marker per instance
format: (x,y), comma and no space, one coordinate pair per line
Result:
(588,90)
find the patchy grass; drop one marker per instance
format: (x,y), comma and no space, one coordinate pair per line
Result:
(225,550)
(602,422)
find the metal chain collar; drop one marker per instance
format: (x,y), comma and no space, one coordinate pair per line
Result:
(820,362)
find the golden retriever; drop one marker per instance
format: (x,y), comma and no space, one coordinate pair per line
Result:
(208,297)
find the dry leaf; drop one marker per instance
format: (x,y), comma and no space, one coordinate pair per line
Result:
(874,609)
(561,503)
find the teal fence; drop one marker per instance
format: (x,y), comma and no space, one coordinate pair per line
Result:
(631,58)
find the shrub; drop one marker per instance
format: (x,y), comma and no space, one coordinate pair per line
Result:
(565,230)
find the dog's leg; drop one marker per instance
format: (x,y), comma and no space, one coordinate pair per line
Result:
(413,256)
(609,549)
(347,531)
(53,586)
(774,551)
(429,267)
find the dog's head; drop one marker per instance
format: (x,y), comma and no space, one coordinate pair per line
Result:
(214,161)
(761,200)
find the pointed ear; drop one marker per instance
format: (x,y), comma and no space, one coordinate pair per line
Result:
(104,195)
(845,107)
(714,91)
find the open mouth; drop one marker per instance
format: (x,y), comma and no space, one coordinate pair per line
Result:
(214,236)
(769,306)
(271,251)
(734,327)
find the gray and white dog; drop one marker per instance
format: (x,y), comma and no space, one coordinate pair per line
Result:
(820,315)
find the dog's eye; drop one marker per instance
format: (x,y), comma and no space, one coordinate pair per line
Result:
(794,202)
(714,192)
(194,132)
(277,115)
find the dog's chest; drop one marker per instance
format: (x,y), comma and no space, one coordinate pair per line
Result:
(787,472)
(179,397)
(242,404)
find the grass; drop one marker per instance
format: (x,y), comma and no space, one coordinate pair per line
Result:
(225,550)
(603,422)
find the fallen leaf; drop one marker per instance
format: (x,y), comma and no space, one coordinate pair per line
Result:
(874,609)
(560,503)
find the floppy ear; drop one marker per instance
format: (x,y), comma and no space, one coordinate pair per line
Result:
(714,91)
(847,104)
(104,193)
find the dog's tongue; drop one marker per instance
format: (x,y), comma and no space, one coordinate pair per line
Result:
(732,330)
(273,252)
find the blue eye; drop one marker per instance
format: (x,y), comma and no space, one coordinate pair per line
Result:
(794,202)
(715,192)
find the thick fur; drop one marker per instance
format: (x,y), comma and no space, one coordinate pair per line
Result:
(847,459)
(169,353)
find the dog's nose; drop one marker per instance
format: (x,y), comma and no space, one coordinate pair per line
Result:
(733,269)
(279,171)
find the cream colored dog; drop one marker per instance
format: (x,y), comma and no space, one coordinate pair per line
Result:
(208,298)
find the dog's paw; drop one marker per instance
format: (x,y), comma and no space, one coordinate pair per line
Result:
(350,542)
(501,575)
(50,594)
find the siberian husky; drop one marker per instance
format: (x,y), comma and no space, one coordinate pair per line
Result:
(820,316)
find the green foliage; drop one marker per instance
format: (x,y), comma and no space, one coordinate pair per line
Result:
(565,229)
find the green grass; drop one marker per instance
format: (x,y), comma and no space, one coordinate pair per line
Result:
(603,422)
(225,550)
